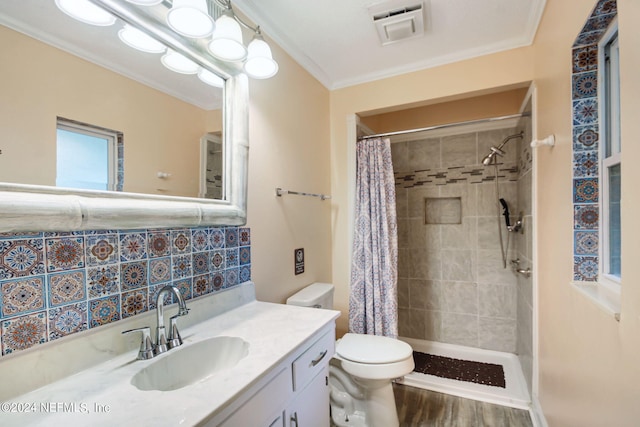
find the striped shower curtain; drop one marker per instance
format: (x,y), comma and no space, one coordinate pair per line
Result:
(373,306)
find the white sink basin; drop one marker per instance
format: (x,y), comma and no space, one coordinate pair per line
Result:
(190,363)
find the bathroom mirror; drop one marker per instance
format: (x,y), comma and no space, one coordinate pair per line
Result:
(28,207)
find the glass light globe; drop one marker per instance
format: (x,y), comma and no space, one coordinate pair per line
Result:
(210,78)
(190,18)
(178,63)
(145,2)
(136,39)
(226,43)
(260,63)
(87,12)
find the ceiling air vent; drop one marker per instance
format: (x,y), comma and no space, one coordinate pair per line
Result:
(397,21)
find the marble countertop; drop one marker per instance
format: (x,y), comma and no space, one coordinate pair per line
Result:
(102,395)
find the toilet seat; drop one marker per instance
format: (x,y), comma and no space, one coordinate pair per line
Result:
(372,349)
(374,357)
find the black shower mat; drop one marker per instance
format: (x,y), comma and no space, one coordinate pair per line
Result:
(463,370)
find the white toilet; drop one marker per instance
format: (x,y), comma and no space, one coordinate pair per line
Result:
(362,369)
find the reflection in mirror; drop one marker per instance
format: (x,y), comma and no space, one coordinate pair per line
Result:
(64,68)
(88,157)
(211,166)
(161,115)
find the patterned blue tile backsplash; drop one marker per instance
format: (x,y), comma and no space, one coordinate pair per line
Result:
(586,131)
(55,284)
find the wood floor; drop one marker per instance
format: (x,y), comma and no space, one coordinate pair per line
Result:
(425,408)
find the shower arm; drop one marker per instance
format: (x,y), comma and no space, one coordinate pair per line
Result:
(507,139)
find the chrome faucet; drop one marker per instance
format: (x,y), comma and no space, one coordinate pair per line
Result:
(174,338)
(147,348)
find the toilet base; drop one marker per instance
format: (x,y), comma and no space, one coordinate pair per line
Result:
(380,403)
(358,402)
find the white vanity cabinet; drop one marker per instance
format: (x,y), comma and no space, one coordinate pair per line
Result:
(295,393)
(310,407)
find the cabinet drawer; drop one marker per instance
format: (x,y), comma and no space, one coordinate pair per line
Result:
(309,363)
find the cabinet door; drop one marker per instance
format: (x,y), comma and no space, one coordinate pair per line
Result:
(256,412)
(310,407)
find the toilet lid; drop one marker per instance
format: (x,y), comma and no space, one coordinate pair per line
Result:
(363,348)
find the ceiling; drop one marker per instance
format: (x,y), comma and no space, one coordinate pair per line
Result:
(336,41)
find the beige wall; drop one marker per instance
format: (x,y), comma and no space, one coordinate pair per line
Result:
(589,370)
(161,133)
(289,137)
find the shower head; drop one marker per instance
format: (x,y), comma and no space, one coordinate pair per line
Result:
(497,151)
(489,157)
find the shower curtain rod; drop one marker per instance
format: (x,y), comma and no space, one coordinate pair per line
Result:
(448,125)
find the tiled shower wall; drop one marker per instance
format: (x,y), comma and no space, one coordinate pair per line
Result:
(56,284)
(452,286)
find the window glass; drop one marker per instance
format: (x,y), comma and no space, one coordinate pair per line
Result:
(82,161)
(612,97)
(85,157)
(611,158)
(614,220)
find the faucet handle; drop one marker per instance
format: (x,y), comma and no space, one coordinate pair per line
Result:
(175,339)
(146,347)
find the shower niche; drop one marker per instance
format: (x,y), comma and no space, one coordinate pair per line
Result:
(443,210)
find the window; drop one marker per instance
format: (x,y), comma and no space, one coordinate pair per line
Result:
(597,156)
(611,157)
(86,156)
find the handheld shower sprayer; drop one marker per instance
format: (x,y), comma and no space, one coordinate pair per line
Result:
(505,212)
(492,159)
(507,220)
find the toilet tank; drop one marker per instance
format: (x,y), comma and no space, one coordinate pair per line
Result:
(316,295)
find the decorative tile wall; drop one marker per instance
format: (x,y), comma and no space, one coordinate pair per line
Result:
(55,284)
(475,174)
(586,141)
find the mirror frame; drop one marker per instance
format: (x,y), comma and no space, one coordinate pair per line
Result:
(42,208)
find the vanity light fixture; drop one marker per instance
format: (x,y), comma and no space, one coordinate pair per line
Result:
(210,78)
(87,12)
(136,39)
(260,63)
(226,42)
(178,63)
(194,19)
(190,18)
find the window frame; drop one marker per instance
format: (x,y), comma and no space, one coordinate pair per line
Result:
(610,146)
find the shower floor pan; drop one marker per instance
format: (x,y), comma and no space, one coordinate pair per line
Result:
(514,395)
